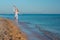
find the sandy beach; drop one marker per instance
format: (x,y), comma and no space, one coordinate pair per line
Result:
(9,31)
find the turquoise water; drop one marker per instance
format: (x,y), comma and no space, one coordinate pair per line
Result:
(49,22)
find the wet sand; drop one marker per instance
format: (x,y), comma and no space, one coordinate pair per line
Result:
(34,32)
(10,31)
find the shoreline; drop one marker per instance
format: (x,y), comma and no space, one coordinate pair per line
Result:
(24,31)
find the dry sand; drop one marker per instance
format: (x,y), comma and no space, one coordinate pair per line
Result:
(9,31)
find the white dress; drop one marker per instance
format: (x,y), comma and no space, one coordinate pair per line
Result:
(16,16)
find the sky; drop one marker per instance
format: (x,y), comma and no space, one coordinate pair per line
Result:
(30,6)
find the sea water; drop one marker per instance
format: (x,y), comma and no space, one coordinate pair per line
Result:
(50,22)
